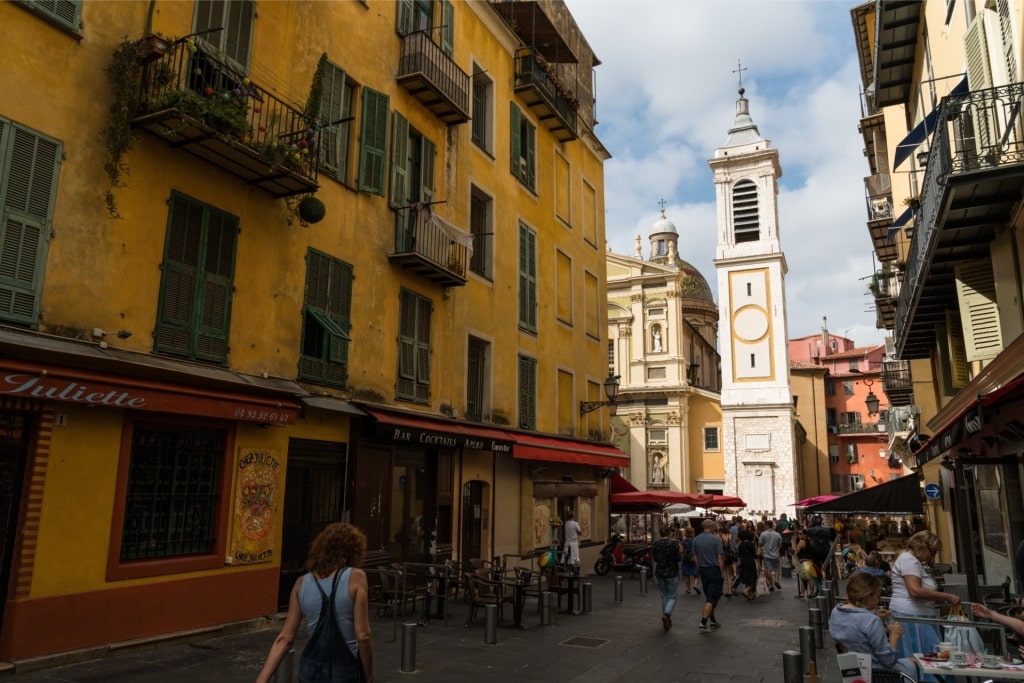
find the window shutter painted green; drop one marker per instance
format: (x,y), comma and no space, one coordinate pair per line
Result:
(399,161)
(447,27)
(527,278)
(374,139)
(29,165)
(328,298)
(332,108)
(527,393)
(531,156)
(218,275)
(65,11)
(513,134)
(177,296)
(979,310)
(235,17)
(403,21)
(406,381)
(427,157)
(423,306)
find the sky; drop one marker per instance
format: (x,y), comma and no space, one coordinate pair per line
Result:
(666,98)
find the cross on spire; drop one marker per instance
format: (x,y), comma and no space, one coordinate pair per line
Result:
(662,203)
(739,70)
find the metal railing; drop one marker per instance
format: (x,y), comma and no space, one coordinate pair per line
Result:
(879,206)
(531,70)
(420,54)
(425,234)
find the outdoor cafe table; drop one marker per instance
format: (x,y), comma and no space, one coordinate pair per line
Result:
(942,670)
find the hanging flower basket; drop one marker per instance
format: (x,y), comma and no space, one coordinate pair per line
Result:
(312,210)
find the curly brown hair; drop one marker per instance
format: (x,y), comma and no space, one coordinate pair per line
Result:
(338,545)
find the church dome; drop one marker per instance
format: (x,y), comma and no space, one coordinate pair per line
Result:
(663,225)
(691,283)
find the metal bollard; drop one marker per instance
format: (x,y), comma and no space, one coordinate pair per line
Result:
(490,624)
(408,648)
(545,608)
(588,592)
(827,587)
(618,589)
(643,580)
(791,667)
(814,616)
(807,649)
(823,604)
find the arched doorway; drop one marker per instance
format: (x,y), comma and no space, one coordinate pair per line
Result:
(475,541)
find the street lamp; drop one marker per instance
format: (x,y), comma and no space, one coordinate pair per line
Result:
(871,401)
(611,390)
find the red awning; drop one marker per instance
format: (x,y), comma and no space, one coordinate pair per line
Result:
(619,484)
(428,431)
(551,449)
(656,497)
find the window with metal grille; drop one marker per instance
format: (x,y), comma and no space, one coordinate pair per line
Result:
(413,382)
(325,320)
(711,438)
(172,492)
(483,97)
(745,215)
(527,392)
(481,225)
(476,378)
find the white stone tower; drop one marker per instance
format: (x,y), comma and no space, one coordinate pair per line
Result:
(757,403)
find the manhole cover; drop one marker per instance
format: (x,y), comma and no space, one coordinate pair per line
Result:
(584,642)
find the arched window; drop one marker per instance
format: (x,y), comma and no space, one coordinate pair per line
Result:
(745,219)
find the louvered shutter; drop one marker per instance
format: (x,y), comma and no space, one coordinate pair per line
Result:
(235,17)
(423,312)
(527,393)
(427,157)
(979,311)
(515,143)
(373,142)
(399,161)
(217,277)
(975,123)
(29,165)
(527,278)
(403,19)
(180,273)
(953,339)
(447,27)
(1004,273)
(530,143)
(332,108)
(406,384)
(65,11)
(1006,29)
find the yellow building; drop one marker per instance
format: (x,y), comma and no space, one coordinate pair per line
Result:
(268,265)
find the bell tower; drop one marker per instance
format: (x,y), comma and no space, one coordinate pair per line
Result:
(757,402)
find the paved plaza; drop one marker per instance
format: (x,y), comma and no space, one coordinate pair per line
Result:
(613,642)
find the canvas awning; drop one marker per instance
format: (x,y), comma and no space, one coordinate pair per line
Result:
(897,497)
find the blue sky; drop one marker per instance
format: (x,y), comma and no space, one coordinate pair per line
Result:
(666,97)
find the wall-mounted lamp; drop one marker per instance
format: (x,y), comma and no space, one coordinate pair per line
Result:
(611,390)
(871,401)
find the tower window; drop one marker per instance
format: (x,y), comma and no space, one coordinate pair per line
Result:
(753,361)
(745,218)
(750,289)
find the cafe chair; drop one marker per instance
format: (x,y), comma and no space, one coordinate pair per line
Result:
(483,592)
(889,676)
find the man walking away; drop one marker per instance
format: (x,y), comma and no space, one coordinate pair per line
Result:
(710,556)
(572,542)
(666,570)
(785,529)
(771,548)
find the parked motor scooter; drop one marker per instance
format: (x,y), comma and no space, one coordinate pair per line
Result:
(616,555)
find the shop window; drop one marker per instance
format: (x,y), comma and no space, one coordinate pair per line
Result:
(325,320)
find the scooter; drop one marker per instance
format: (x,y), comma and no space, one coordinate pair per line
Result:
(616,555)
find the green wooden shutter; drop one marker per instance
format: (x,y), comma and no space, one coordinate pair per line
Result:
(332,108)
(405,386)
(527,278)
(423,311)
(403,20)
(400,181)
(447,27)
(374,142)
(180,270)
(513,135)
(979,310)
(65,11)
(530,143)
(235,17)
(427,157)
(29,165)
(217,278)
(527,393)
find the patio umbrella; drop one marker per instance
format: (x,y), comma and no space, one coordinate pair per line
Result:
(814,500)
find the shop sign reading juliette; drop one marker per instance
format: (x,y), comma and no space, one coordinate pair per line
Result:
(441,440)
(63,390)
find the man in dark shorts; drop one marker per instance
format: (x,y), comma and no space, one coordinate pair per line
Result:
(710,557)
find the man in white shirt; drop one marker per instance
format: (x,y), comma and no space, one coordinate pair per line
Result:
(572,541)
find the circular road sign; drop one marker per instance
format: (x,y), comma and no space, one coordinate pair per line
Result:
(933,491)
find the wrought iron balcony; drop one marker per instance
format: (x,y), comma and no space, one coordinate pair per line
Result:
(885,288)
(538,84)
(433,78)
(897,383)
(973,178)
(431,246)
(198,103)
(878,202)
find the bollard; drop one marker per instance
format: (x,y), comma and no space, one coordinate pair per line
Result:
(823,605)
(545,608)
(827,587)
(814,616)
(807,649)
(490,624)
(791,671)
(408,648)
(618,589)
(588,592)
(643,580)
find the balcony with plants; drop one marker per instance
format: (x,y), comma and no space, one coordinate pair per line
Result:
(197,101)
(539,85)
(433,78)
(973,179)
(897,383)
(884,286)
(431,247)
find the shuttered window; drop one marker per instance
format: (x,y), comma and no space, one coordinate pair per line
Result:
(413,347)
(523,136)
(745,215)
(979,310)
(29,165)
(476,378)
(335,108)
(194,310)
(63,12)
(447,27)
(325,323)
(527,278)
(235,19)
(527,393)
(373,142)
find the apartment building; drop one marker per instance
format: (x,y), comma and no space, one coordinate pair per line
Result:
(269,265)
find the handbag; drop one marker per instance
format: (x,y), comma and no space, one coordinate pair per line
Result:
(327,657)
(964,638)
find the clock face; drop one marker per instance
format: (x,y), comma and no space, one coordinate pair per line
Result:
(750,324)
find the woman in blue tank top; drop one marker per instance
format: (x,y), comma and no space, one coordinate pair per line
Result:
(333,562)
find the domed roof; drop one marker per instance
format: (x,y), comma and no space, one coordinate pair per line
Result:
(663,225)
(691,283)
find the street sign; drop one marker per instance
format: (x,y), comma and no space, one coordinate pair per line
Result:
(933,491)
